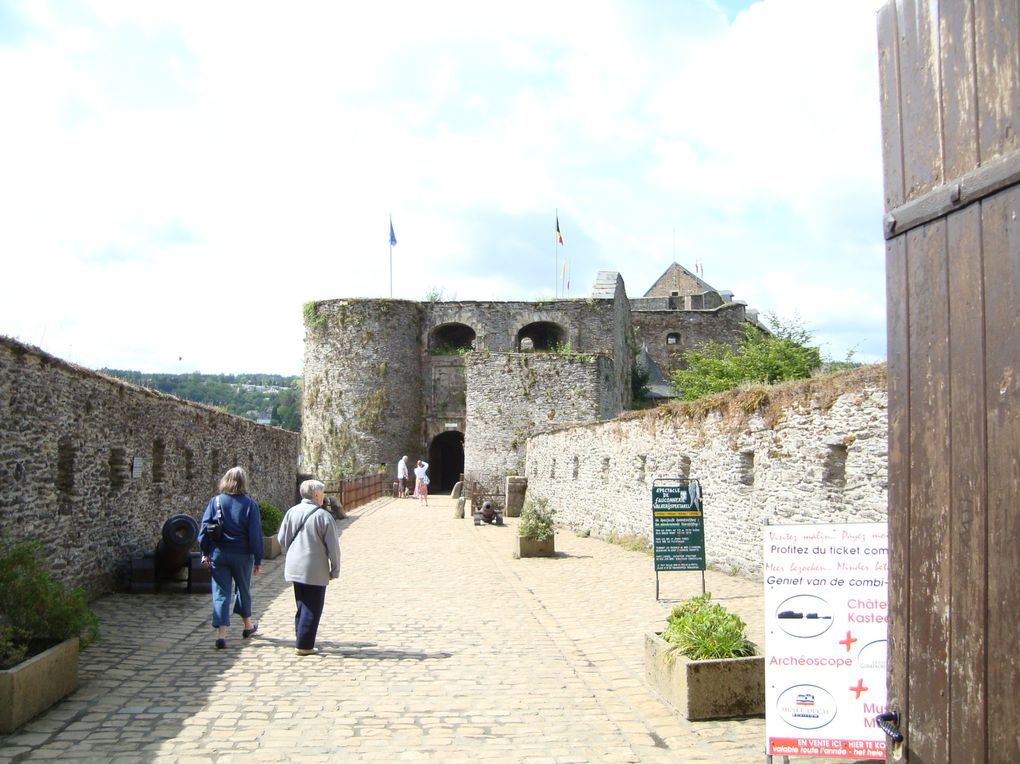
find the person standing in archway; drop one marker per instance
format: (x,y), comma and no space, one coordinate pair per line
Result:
(421,482)
(402,477)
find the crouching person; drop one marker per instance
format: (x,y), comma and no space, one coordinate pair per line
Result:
(308,536)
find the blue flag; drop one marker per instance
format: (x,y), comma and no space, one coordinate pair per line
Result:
(393,236)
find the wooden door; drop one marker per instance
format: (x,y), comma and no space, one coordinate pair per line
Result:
(950,74)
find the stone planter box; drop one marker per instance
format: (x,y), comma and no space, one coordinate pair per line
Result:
(270,548)
(709,689)
(535,548)
(31,687)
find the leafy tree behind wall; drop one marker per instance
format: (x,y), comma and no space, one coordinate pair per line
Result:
(759,357)
(254,396)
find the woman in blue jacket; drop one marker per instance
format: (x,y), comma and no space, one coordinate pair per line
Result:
(236,555)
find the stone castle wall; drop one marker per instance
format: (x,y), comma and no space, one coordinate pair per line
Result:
(373,391)
(92,466)
(812,452)
(588,323)
(653,327)
(513,396)
(362,403)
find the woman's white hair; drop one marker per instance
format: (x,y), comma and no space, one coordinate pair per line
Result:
(310,487)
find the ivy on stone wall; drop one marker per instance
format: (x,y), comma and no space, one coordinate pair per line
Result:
(315,320)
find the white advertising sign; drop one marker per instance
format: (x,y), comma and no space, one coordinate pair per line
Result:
(826,616)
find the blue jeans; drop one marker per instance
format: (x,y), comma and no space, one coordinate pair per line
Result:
(227,568)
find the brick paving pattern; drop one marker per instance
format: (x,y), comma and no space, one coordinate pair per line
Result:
(436,645)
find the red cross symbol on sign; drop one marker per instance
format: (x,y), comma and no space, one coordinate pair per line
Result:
(859,688)
(848,641)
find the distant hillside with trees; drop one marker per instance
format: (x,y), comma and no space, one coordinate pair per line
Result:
(268,398)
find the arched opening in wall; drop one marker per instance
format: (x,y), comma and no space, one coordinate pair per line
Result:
(158,460)
(451,339)
(834,471)
(685,467)
(745,469)
(673,338)
(118,468)
(544,335)
(446,461)
(66,453)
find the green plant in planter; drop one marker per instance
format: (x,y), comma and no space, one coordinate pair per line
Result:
(701,629)
(536,520)
(271,518)
(36,610)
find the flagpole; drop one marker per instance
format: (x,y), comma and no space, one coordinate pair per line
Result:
(556,257)
(391,255)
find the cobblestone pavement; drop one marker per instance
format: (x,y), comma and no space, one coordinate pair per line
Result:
(436,645)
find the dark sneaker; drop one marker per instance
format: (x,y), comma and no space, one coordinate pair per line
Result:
(248,632)
(221,644)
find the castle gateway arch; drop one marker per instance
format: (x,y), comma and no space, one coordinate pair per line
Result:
(446,461)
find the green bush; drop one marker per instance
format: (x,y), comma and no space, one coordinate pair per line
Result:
(536,520)
(700,629)
(760,357)
(36,610)
(271,518)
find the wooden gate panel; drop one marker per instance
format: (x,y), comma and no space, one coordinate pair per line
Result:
(892,139)
(967,534)
(997,25)
(920,99)
(1001,232)
(958,96)
(949,72)
(897,309)
(929,571)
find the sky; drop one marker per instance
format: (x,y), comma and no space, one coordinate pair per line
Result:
(178,178)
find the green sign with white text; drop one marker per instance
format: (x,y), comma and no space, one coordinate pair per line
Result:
(678,526)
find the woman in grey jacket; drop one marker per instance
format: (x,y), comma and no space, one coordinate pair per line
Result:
(308,536)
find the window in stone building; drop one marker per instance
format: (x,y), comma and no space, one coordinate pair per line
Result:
(451,339)
(685,467)
(605,465)
(746,468)
(552,469)
(672,338)
(214,462)
(158,460)
(65,466)
(544,336)
(137,465)
(834,471)
(118,468)
(576,463)
(189,464)
(642,464)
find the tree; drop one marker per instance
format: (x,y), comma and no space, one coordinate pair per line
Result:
(760,356)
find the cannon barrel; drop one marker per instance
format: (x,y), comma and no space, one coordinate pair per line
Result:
(173,551)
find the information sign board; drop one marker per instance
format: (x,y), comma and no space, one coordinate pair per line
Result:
(678,526)
(826,622)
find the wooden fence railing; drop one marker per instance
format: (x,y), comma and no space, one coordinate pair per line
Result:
(354,492)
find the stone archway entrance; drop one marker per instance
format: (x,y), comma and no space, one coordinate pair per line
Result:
(446,461)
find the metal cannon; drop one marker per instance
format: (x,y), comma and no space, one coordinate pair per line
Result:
(488,513)
(173,562)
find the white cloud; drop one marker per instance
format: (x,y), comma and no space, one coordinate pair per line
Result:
(166,155)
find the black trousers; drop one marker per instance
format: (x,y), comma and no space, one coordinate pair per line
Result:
(310,600)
